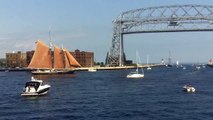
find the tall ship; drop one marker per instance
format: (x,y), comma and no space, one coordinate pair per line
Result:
(47,61)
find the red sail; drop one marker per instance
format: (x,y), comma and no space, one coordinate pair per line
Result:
(71,60)
(42,58)
(67,62)
(58,58)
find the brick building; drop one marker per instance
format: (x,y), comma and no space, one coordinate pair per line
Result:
(85,59)
(16,59)
(19,59)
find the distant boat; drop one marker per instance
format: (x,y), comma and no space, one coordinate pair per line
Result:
(184,67)
(210,63)
(169,60)
(148,67)
(177,63)
(136,73)
(198,67)
(92,69)
(188,88)
(203,66)
(45,61)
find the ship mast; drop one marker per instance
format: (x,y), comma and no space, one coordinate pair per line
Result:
(170,58)
(50,45)
(63,55)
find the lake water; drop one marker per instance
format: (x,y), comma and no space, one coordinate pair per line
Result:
(109,95)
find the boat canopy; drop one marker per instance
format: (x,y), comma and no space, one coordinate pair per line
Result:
(34,84)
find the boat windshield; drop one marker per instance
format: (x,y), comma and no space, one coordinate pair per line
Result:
(32,84)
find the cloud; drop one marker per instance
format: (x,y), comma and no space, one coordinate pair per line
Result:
(67,35)
(24,46)
(77,36)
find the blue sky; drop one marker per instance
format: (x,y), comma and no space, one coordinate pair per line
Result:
(87,25)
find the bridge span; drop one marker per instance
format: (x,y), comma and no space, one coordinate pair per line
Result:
(176,18)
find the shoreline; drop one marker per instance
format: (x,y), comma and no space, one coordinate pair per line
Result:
(85,68)
(118,68)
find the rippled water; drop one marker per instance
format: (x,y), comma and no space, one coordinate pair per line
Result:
(109,95)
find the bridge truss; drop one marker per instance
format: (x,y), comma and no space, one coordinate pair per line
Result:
(176,18)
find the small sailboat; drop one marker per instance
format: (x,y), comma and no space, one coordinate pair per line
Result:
(136,73)
(169,60)
(148,67)
(177,64)
(35,88)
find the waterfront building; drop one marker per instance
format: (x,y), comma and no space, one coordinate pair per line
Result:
(16,59)
(20,59)
(85,59)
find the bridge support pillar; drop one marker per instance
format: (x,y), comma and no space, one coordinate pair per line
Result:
(121,58)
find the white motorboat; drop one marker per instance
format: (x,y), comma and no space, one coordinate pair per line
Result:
(35,88)
(148,67)
(188,88)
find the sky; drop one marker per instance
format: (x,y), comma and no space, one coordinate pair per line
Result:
(87,25)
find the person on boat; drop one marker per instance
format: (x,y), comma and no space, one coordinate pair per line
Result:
(28,89)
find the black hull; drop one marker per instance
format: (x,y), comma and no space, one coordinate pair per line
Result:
(169,65)
(39,93)
(53,73)
(34,94)
(210,65)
